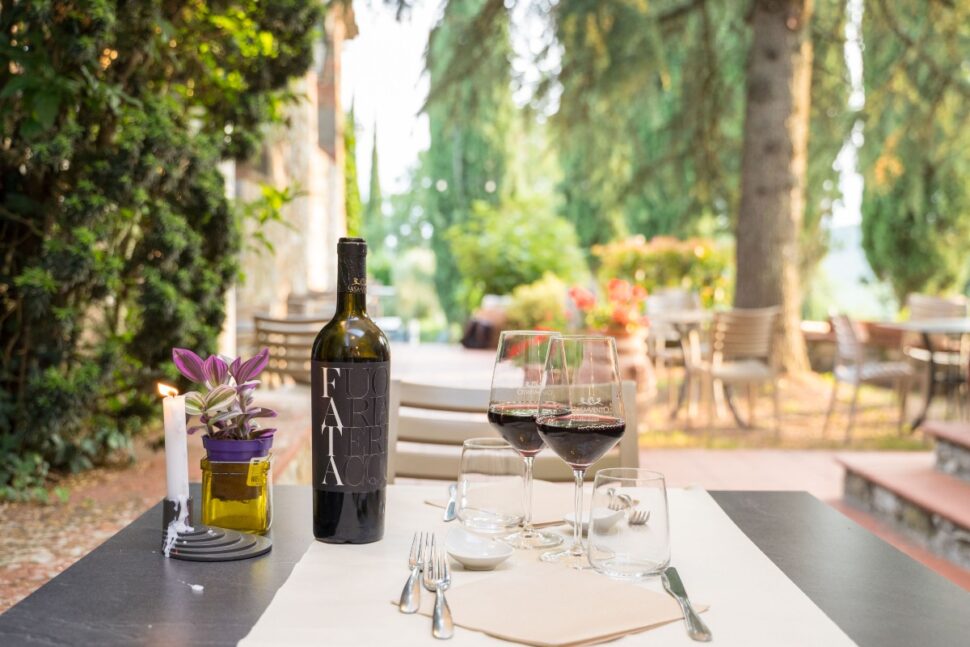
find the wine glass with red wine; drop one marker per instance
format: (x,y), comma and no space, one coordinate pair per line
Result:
(580,416)
(513,404)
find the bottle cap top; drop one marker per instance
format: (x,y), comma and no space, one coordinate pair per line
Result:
(356,246)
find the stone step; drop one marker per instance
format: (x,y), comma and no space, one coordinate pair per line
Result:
(905,490)
(952,446)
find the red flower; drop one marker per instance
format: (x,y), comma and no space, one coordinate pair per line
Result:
(621,315)
(619,290)
(583,298)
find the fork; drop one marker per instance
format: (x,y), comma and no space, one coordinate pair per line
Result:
(411,594)
(619,501)
(639,517)
(437,578)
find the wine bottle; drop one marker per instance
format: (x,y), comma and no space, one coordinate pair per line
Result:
(349,382)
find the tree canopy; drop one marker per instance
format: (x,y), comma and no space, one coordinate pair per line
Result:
(118,241)
(916,155)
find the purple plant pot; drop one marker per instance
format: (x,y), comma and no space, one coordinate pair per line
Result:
(236,451)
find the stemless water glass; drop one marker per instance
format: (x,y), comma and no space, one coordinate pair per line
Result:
(634,541)
(490,481)
(512,408)
(581,415)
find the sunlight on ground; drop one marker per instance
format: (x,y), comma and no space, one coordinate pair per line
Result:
(803,404)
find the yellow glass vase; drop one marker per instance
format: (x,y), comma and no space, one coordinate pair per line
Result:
(238,495)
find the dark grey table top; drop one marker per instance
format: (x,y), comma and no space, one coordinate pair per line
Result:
(125,593)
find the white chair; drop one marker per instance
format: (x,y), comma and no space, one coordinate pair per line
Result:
(429,423)
(851,366)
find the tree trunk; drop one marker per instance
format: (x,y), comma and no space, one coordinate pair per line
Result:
(773,163)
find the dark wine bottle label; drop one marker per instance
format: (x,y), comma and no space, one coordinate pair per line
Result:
(349,417)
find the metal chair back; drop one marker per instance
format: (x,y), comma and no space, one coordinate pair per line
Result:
(289,341)
(744,333)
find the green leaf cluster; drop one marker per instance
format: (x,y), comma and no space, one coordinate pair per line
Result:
(514,243)
(916,155)
(117,241)
(469,112)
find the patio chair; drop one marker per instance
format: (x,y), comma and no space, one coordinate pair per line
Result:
(852,367)
(429,423)
(949,355)
(742,355)
(289,341)
(313,303)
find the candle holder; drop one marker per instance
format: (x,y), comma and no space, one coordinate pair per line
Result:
(200,543)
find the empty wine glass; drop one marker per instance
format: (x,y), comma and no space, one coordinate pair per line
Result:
(635,542)
(489,493)
(513,404)
(580,416)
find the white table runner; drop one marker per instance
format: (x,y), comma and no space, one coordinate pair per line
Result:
(339,595)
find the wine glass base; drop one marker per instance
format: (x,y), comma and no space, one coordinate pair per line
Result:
(567,557)
(534,539)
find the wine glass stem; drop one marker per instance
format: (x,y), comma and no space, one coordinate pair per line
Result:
(527,528)
(577,547)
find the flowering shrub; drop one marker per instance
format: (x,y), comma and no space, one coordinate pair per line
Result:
(538,306)
(621,312)
(224,402)
(696,264)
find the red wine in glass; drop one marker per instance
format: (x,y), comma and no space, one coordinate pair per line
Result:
(581,439)
(516,422)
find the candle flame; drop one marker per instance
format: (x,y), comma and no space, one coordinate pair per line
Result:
(167,391)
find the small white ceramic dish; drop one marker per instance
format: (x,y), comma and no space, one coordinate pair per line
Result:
(474,552)
(603,519)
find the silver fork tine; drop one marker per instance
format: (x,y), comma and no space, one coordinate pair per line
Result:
(411,594)
(442,626)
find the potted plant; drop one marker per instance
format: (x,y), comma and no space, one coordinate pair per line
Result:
(236,472)
(619,315)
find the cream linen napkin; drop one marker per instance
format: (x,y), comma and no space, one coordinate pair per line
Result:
(548,605)
(550,503)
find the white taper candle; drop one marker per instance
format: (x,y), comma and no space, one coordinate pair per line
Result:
(176,448)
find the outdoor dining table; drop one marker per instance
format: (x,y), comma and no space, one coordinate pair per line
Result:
(927,328)
(686,323)
(126,593)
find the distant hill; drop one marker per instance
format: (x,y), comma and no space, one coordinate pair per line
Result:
(845,281)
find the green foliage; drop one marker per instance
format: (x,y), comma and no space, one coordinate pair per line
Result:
(117,239)
(352,202)
(540,305)
(663,262)
(414,279)
(517,242)
(650,118)
(916,155)
(469,111)
(651,115)
(373,216)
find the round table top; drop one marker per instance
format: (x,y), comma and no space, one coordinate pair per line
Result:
(683,317)
(960,326)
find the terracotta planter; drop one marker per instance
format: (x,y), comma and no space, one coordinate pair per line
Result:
(631,355)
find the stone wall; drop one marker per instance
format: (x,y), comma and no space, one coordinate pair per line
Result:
(930,530)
